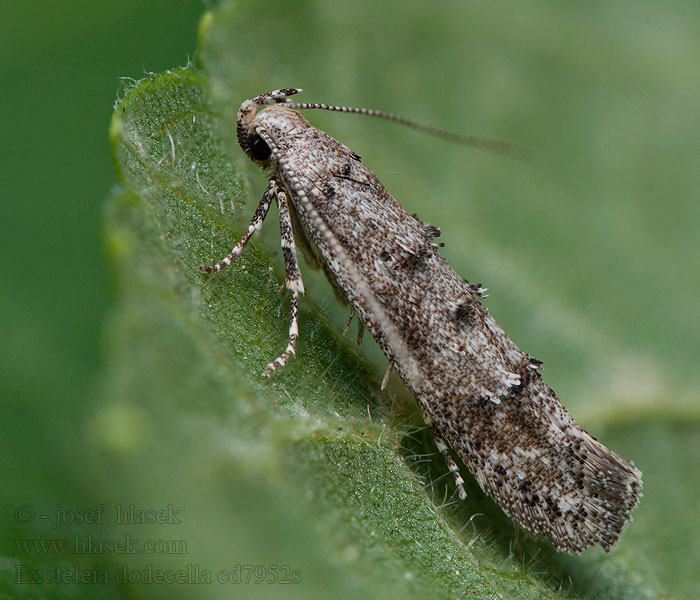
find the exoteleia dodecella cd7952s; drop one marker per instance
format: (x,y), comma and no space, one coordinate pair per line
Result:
(478,393)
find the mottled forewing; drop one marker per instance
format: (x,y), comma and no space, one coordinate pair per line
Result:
(484,394)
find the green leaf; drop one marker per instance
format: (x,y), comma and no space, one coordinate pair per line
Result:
(316,470)
(315,456)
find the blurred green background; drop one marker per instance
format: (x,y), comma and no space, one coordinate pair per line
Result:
(589,250)
(61,64)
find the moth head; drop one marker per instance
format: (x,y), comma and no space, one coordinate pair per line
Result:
(248,124)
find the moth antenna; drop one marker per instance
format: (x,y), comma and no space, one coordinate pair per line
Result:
(498,146)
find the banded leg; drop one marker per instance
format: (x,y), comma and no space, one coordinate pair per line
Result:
(292,280)
(350,318)
(255,225)
(445,451)
(360,327)
(451,464)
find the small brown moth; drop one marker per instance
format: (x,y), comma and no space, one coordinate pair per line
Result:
(476,390)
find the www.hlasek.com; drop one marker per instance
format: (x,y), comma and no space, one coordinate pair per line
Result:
(89,544)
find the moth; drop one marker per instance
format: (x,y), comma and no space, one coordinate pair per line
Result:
(479,394)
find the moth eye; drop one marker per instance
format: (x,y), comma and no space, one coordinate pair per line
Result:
(259,150)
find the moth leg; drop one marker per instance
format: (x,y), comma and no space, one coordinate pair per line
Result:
(255,224)
(451,464)
(385,379)
(347,323)
(292,279)
(360,327)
